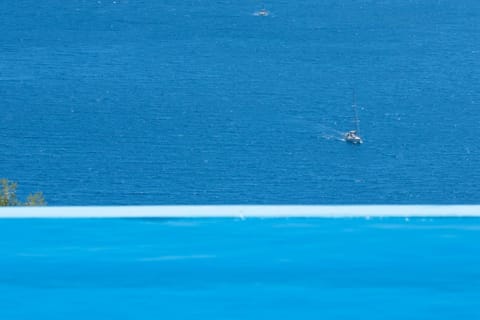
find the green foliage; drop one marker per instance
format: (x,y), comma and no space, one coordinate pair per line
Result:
(8,196)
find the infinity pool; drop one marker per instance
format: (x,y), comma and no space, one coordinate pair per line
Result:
(300,268)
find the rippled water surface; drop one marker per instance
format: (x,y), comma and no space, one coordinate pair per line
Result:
(240,269)
(156,102)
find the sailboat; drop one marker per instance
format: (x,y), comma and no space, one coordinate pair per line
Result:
(353,136)
(262,13)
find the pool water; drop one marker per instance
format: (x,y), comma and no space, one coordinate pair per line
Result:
(240,269)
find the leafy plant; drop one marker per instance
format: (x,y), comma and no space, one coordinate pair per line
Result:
(8,196)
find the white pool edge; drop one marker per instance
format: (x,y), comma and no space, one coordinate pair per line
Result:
(242,211)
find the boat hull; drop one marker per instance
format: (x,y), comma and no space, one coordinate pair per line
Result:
(354,141)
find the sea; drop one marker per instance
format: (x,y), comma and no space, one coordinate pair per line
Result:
(204,102)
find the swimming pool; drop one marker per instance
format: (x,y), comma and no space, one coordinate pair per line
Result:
(349,268)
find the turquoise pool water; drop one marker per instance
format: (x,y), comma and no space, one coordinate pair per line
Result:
(240,269)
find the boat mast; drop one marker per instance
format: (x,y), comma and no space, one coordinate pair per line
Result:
(354,106)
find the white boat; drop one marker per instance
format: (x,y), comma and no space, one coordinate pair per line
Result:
(353,136)
(262,13)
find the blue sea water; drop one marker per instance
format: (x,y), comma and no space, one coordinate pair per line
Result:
(240,269)
(188,102)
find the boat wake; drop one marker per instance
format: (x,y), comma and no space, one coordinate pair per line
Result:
(320,131)
(329,133)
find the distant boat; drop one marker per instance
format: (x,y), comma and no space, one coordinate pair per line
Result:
(353,136)
(262,13)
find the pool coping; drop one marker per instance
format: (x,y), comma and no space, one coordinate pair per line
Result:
(242,211)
